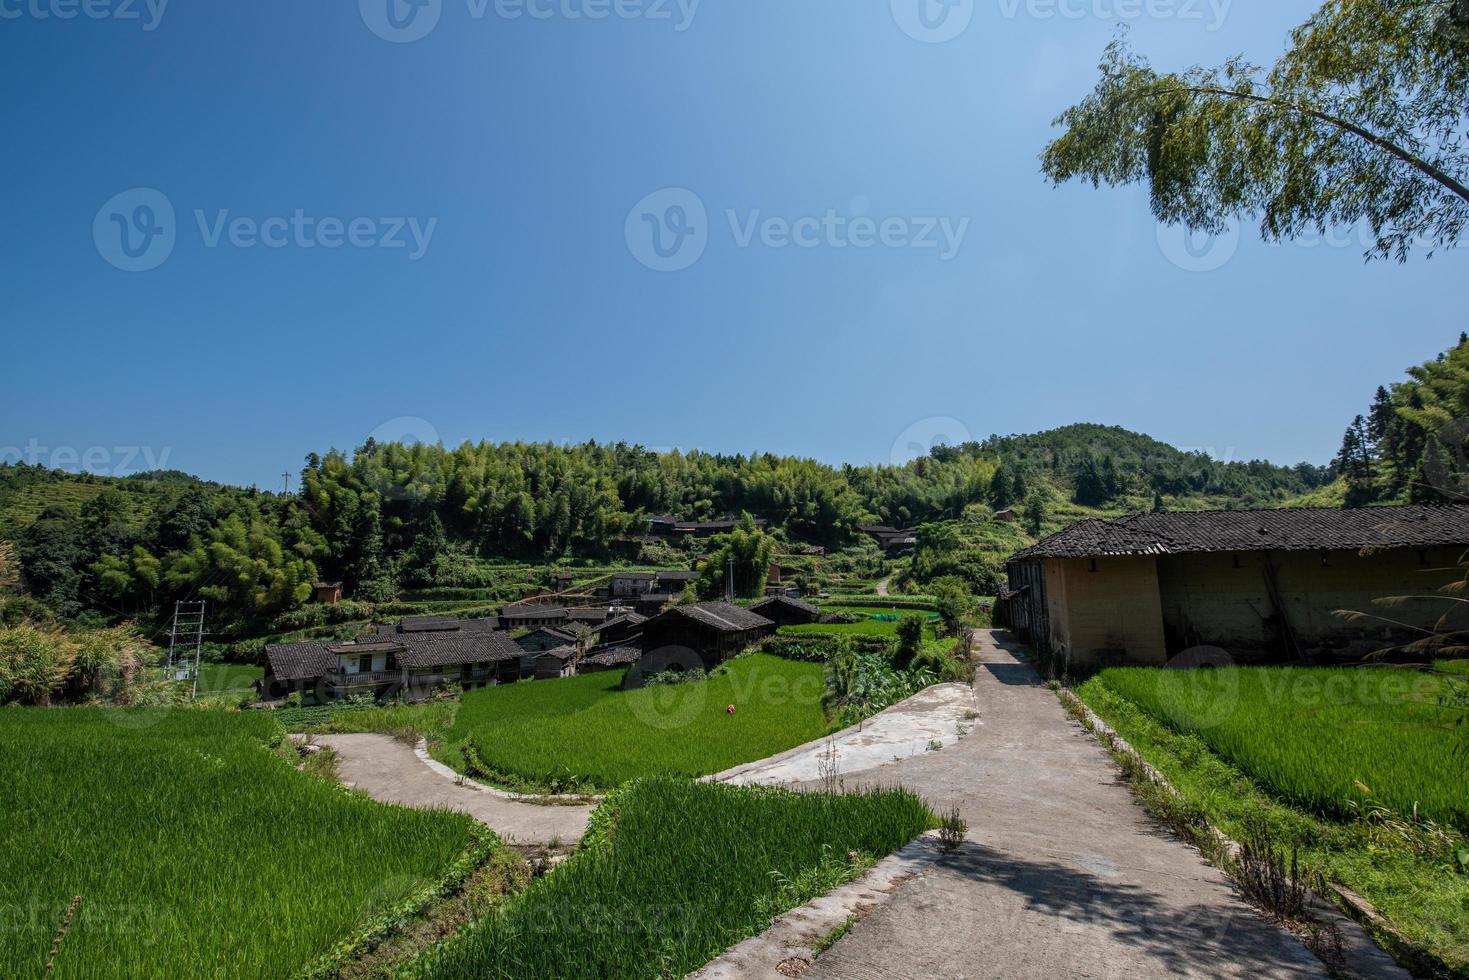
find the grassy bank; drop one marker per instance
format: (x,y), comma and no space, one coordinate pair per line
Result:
(1408,870)
(1317,736)
(192,848)
(589,732)
(638,901)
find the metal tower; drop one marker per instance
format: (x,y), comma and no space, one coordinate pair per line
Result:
(188,628)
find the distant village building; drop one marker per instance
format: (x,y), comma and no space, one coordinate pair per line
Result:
(786,611)
(551,664)
(409,659)
(621,631)
(532,617)
(715,631)
(893,540)
(611,658)
(545,638)
(670,527)
(562,581)
(1257,585)
(328,592)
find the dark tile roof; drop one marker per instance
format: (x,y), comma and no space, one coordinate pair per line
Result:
(299,661)
(634,576)
(559,653)
(369,644)
(614,657)
(428,624)
(788,602)
(629,619)
(587,615)
(533,612)
(455,649)
(721,616)
(556,632)
(1299,529)
(681,575)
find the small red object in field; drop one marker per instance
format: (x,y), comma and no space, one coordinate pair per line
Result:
(730,710)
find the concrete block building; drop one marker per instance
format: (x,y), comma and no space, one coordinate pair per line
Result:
(1258,585)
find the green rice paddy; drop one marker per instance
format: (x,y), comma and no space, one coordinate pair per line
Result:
(190,847)
(1312,735)
(672,873)
(587,731)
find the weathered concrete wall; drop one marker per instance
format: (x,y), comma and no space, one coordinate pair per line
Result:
(1105,609)
(1223,600)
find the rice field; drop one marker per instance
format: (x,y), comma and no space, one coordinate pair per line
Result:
(191,847)
(588,732)
(638,900)
(1311,735)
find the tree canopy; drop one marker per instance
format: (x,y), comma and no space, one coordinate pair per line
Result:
(1361,120)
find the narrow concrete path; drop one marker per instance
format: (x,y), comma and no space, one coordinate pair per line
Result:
(934,718)
(1064,875)
(388,770)
(884,585)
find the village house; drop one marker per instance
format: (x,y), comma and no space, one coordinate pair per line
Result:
(1256,585)
(893,540)
(545,638)
(550,664)
(715,631)
(409,659)
(623,630)
(329,593)
(670,527)
(786,611)
(630,585)
(611,658)
(532,617)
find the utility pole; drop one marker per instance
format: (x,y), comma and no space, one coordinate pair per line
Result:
(729,589)
(188,627)
(286,484)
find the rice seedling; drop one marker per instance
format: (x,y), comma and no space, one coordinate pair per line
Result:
(185,846)
(639,899)
(587,732)
(1328,739)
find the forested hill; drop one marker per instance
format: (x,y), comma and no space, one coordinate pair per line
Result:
(388,515)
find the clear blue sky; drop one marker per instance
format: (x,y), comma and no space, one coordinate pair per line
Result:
(528,142)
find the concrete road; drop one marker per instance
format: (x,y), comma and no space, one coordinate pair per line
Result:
(1063,876)
(388,770)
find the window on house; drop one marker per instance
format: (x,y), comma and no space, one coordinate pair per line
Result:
(364,664)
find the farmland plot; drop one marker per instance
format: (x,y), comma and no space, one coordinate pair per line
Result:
(189,847)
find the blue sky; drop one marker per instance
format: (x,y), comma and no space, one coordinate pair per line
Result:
(535,155)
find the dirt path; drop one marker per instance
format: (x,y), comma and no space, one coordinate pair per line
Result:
(884,585)
(388,770)
(1064,874)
